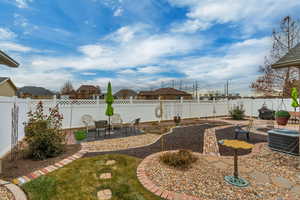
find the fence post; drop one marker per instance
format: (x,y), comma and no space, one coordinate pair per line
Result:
(198,98)
(131,100)
(251,108)
(28,104)
(181,99)
(214,107)
(54,100)
(97,100)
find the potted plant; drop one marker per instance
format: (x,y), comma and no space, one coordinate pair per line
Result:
(177,120)
(282,117)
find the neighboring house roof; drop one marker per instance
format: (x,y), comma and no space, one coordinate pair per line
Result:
(4,79)
(146,93)
(72,92)
(164,91)
(89,88)
(35,91)
(170,91)
(291,59)
(125,92)
(6,60)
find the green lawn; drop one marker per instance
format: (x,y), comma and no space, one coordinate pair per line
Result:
(80,180)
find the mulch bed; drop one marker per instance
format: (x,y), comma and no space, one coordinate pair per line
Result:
(23,166)
(190,138)
(228,133)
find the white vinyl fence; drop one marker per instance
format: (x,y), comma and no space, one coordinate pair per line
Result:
(130,109)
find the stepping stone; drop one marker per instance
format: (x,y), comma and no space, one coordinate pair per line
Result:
(114,167)
(296,190)
(104,194)
(281,182)
(105,176)
(110,162)
(260,178)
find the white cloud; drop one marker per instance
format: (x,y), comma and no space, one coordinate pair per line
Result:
(118,12)
(151,70)
(127,33)
(94,51)
(127,71)
(239,62)
(6,34)
(190,26)
(136,51)
(23,3)
(252,15)
(89,73)
(11,46)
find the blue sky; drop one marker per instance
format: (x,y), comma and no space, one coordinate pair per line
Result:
(139,43)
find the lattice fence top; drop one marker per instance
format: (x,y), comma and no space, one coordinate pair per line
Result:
(68,102)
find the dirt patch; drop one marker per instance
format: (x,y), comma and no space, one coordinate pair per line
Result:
(23,166)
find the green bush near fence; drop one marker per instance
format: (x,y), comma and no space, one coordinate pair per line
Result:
(80,135)
(237,112)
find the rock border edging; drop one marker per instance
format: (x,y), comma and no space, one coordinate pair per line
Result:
(17,192)
(33,175)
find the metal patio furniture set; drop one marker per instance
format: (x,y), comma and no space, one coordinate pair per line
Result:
(102,128)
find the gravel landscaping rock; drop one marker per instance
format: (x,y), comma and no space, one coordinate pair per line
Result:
(119,143)
(205,179)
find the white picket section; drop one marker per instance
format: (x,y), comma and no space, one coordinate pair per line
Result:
(128,109)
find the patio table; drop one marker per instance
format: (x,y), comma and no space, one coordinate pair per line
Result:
(236,144)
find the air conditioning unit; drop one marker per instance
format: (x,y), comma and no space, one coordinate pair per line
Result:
(284,140)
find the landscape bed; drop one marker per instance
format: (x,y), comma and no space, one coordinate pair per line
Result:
(23,165)
(205,178)
(190,138)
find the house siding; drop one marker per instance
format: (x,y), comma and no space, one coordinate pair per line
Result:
(7,90)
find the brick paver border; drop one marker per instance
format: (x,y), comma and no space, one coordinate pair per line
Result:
(33,175)
(14,189)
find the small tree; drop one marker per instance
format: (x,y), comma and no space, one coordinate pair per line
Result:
(109,101)
(67,88)
(271,81)
(237,112)
(43,133)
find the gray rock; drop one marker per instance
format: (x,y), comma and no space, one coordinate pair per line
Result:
(281,182)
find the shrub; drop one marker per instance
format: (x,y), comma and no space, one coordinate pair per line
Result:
(282,113)
(80,135)
(237,113)
(181,159)
(43,134)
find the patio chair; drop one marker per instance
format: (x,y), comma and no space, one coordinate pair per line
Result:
(100,125)
(86,120)
(243,131)
(116,121)
(134,124)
